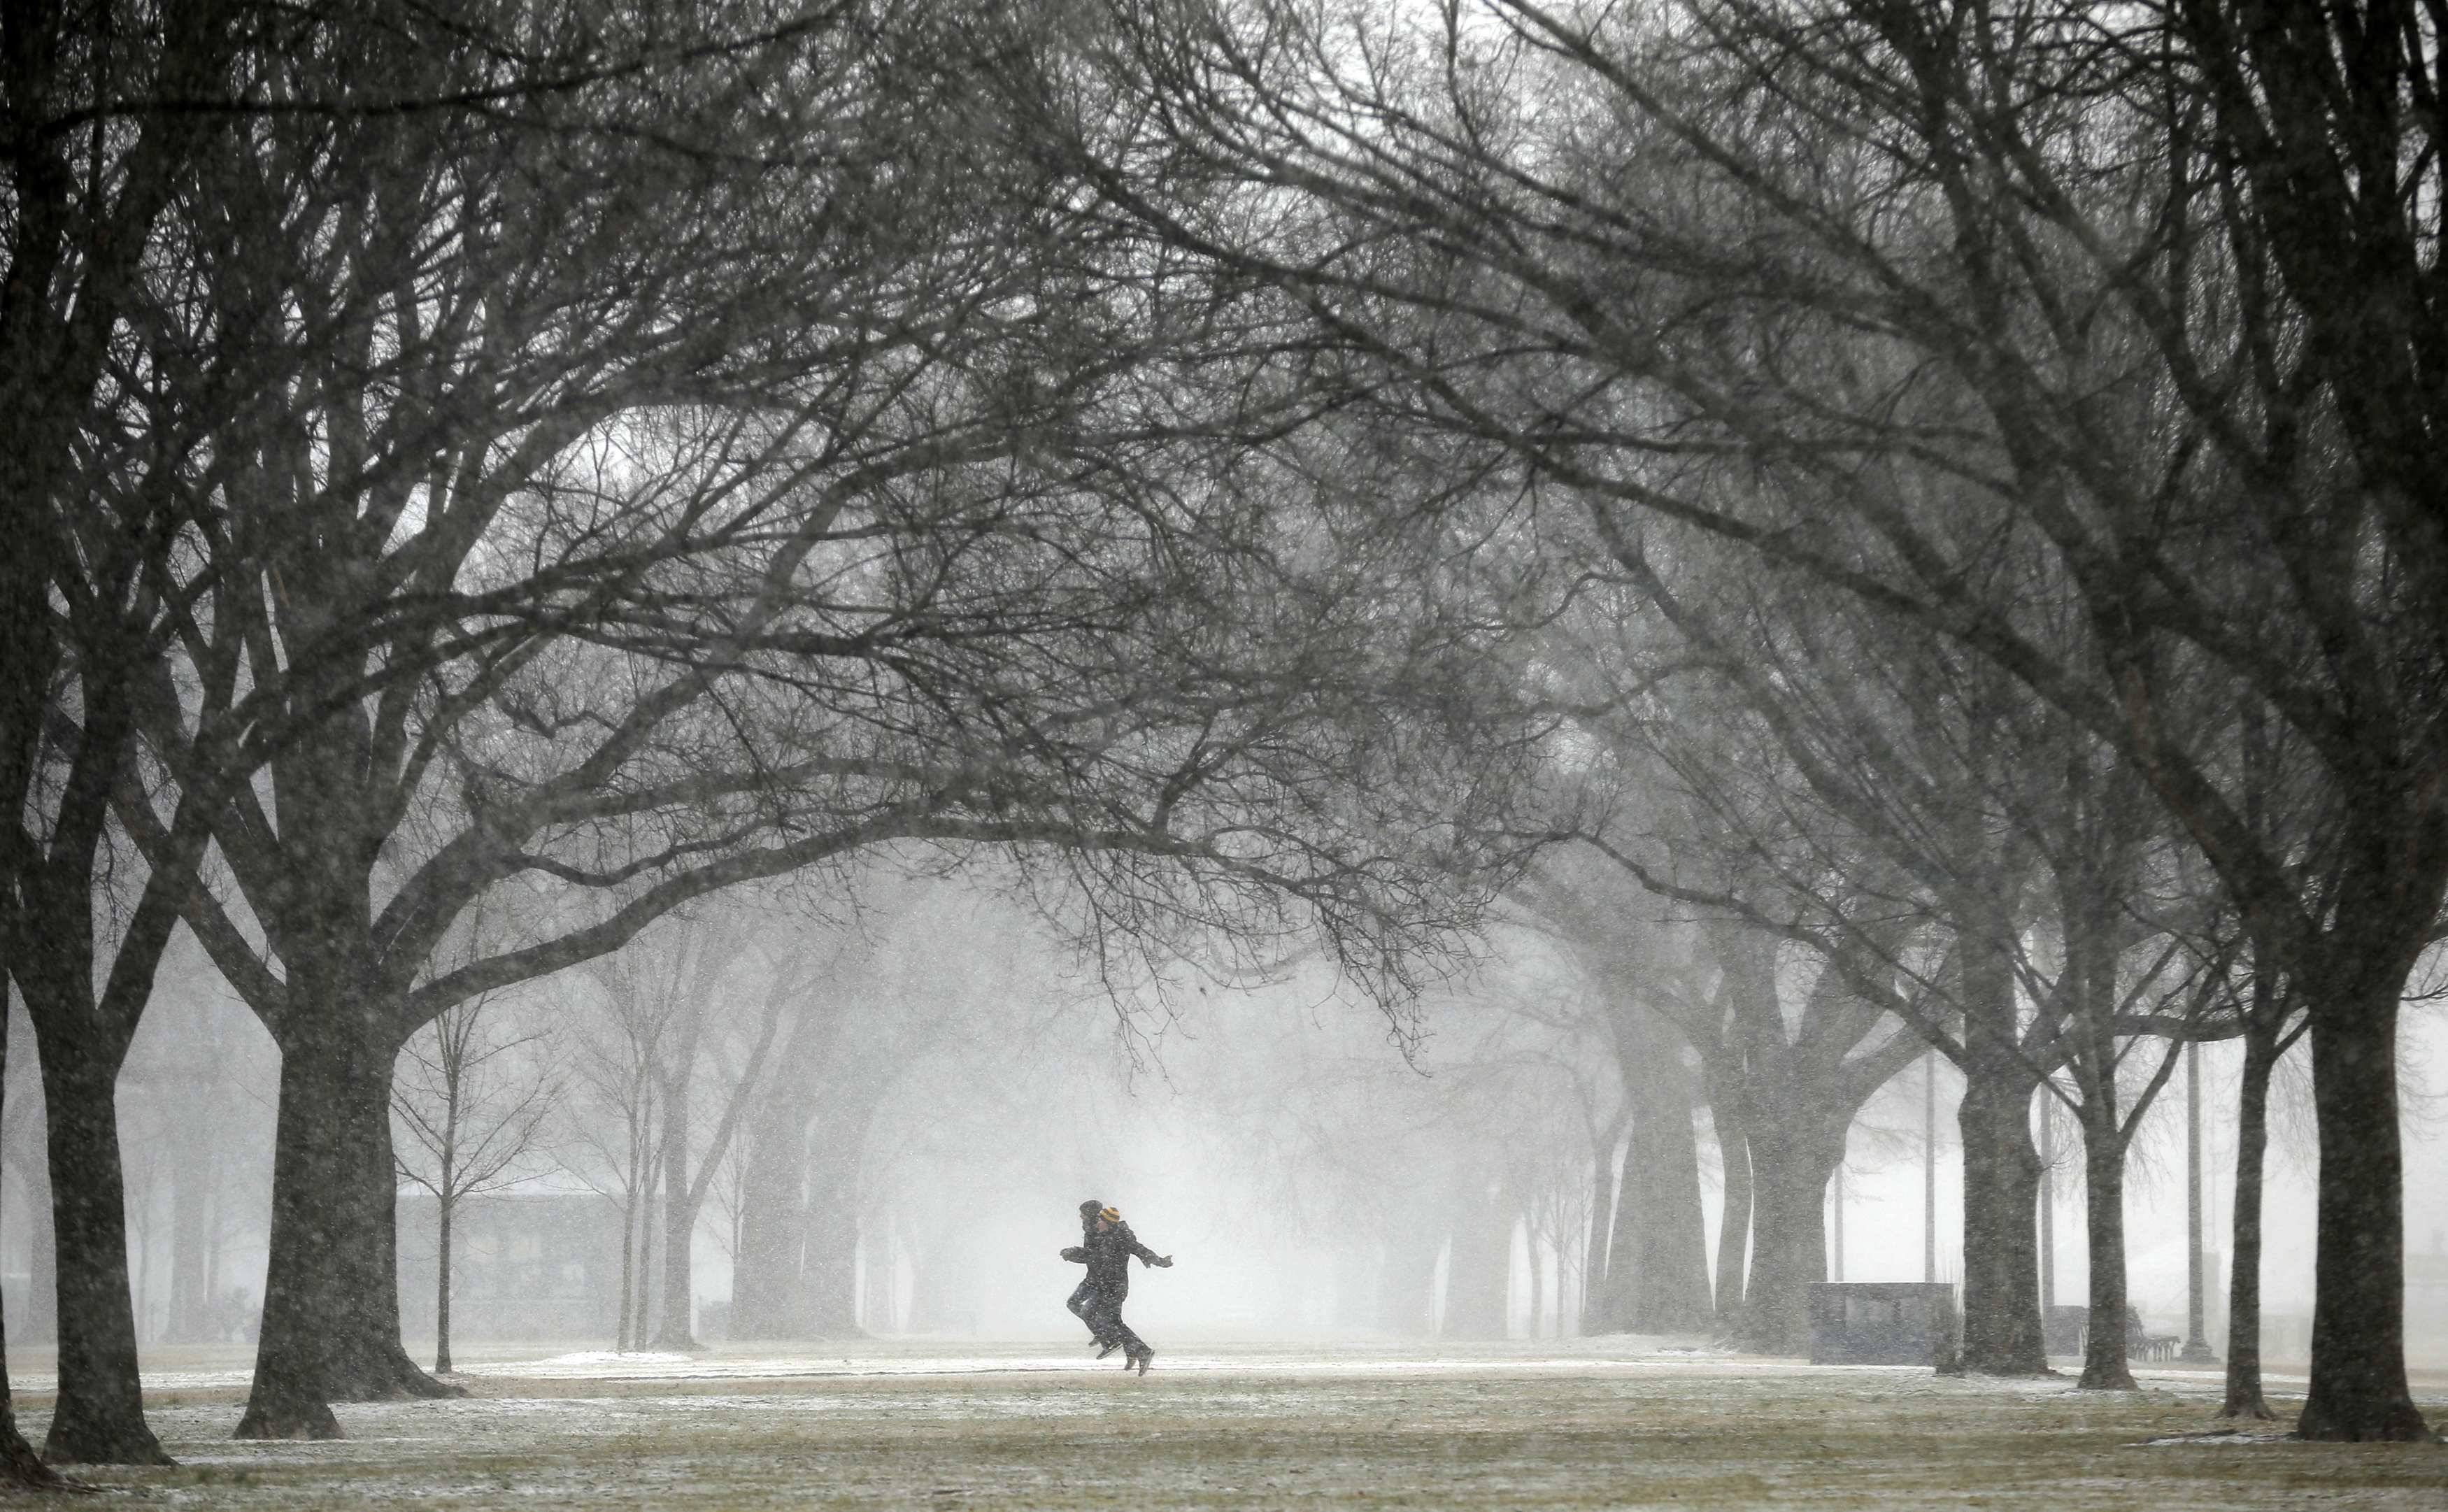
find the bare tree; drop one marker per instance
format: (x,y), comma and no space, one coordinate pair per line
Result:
(473,1101)
(2228,455)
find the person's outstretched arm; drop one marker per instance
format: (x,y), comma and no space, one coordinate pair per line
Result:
(1147,1256)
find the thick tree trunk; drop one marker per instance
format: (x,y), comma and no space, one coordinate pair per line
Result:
(1670,1282)
(2001,1171)
(1734,1221)
(829,1277)
(772,1226)
(1656,1276)
(2359,1390)
(20,1467)
(1789,1174)
(331,1295)
(1604,1199)
(2105,1366)
(2244,1398)
(100,1418)
(1479,1276)
(677,1327)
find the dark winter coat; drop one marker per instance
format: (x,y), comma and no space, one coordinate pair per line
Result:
(1107,1254)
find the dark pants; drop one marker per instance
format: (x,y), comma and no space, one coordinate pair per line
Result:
(1102,1311)
(1084,1296)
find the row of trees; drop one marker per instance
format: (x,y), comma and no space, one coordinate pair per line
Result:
(592,461)
(2017,413)
(1949,488)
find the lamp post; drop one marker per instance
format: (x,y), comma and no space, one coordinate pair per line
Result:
(1929,1167)
(2197,1349)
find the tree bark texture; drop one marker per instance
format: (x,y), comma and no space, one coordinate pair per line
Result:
(20,1467)
(2244,1398)
(2359,1390)
(1789,1170)
(1667,1288)
(445,1209)
(331,1300)
(2105,1363)
(100,1418)
(2001,1183)
(2001,1166)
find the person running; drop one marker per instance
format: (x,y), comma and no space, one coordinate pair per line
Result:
(1084,1294)
(1105,1248)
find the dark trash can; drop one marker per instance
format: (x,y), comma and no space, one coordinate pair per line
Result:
(1883,1323)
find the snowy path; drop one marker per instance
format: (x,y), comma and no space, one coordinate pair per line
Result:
(1626,1355)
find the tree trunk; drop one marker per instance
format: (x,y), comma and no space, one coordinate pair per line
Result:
(677,1329)
(2105,1366)
(1734,1221)
(100,1416)
(2001,1170)
(1791,1168)
(1603,1201)
(20,1467)
(1538,1290)
(2359,1390)
(444,1207)
(2244,1398)
(830,1275)
(1479,1277)
(331,1291)
(191,1183)
(772,1226)
(1669,1284)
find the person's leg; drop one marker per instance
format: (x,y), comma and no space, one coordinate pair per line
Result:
(1135,1349)
(1105,1315)
(1083,1306)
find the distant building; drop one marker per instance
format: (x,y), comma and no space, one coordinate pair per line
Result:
(543,1265)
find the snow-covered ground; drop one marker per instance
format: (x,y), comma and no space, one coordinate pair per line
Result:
(1550,1424)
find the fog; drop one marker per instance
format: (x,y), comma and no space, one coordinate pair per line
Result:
(1315,1164)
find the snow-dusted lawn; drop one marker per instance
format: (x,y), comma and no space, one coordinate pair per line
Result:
(1576,1423)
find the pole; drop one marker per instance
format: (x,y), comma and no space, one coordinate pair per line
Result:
(2197,1349)
(1929,1167)
(2048,1207)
